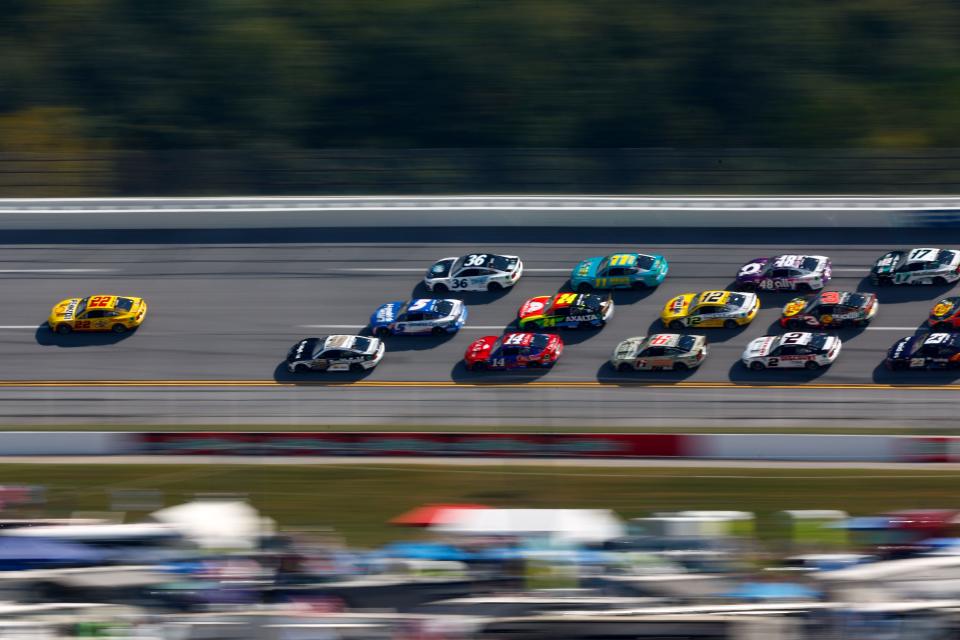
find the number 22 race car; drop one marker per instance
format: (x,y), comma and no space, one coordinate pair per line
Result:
(118,314)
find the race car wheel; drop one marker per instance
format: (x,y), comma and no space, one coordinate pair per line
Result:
(803,286)
(440,288)
(624,367)
(811,365)
(639,284)
(64,329)
(847,324)
(794,324)
(300,368)
(757,366)
(730,324)
(940,281)
(494,286)
(118,328)
(679,366)
(477,366)
(584,287)
(438,331)
(381,332)
(356,368)
(884,282)
(676,324)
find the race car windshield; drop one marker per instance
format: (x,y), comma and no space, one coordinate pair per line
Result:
(591,303)
(361,344)
(945,257)
(686,343)
(124,304)
(645,263)
(818,340)
(737,299)
(444,307)
(809,264)
(81,308)
(856,300)
(539,342)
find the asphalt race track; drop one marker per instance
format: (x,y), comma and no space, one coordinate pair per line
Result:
(226,306)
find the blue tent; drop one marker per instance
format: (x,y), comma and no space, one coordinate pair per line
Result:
(34,553)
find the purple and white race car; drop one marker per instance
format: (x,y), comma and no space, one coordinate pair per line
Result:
(785,273)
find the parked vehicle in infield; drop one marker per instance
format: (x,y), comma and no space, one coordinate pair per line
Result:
(728,309)
(473,272)
(925,351)
(335,353)
(924,265)
(419,316)
(513,351)
(619,271)
(945,314)
(785,273)
(797,349)
(660,352)
(566,311)
(118,314)
(830,309)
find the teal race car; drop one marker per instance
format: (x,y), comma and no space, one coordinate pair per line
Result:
(619,271)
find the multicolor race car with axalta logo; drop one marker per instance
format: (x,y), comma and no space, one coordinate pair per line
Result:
(513,351)
(945,315)
(660,352)
(98,313)
(565,310)
(787,272)
(830,309)
(727,309)
(792,350)
(619,271)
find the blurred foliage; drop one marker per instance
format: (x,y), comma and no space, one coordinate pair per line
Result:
(469,73)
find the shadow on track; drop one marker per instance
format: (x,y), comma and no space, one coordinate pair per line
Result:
(414,343)
(896,294)
(882,375)
(460,374)
(607,374)
(470,298)
(713,334)
(282,374)
(48,338)
(743,375)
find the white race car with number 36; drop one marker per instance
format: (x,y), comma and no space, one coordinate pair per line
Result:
(473,272)
(792,350)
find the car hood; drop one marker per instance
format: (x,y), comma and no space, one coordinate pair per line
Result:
(534,307)
(751,273)
(65,309)
(794,307)
(759,347)
(480,349)
(944,308)
(902,348)
(440,268)
(386,313)
(628,349)
(586,268)
(679,306)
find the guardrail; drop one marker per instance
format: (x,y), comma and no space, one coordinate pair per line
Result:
(479,211)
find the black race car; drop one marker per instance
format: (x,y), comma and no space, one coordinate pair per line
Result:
(925,351)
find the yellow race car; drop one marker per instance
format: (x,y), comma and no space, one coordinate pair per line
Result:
(98,313)
(726,309)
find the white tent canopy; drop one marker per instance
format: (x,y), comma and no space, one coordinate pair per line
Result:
(569,525)
(215,524)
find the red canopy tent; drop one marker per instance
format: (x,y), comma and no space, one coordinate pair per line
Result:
(431,514)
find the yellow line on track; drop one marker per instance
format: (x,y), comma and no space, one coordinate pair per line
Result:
(538,384)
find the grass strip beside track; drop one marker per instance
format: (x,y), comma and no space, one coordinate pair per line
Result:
(357,500)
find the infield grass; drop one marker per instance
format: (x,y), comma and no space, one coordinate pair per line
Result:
(357,500)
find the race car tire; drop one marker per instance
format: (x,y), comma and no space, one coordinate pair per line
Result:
(794,324)
(300,368)
(477,366)
(639,284)
(757,366)
(939,326)
(438,331)
(584,287)
(884,282)
(679,366)
(381,332)
(494,286)
(847,324)
(676,324)
(803,286)
(810,365)
(730,324)
(623,367)
(440,288)
(940,281)
(356,368)
(746,286)
(64,329)
(118,328)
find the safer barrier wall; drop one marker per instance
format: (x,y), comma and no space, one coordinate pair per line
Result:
(785,447)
